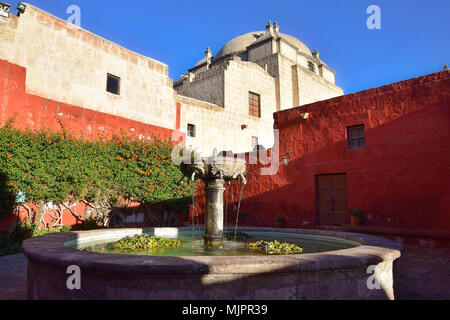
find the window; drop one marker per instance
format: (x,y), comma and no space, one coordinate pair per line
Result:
(113,84)
(311,66)
(356,137)
(255,104)
(191,130)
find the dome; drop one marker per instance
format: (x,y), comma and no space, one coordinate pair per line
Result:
(242,42)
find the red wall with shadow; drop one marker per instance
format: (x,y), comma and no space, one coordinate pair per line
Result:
(399,180)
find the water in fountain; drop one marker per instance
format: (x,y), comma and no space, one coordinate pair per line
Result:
(238,210)
(195,219)
(225,218)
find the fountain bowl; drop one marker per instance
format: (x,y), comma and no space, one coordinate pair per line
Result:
(224,168)
(343,274)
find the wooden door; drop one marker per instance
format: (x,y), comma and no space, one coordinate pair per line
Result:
(332,204)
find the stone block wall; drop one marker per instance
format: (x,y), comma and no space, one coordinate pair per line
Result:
(207,86)
(311,87)
(70,65)
(260,51)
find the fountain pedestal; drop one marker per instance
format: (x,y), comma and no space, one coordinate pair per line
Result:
(214,213)
(214,172)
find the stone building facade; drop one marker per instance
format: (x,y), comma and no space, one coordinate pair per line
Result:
(276,68)
(211,104)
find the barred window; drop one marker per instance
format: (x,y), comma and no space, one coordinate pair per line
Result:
(356,137)
(255,104)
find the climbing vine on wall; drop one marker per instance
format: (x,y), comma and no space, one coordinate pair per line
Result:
(57,168)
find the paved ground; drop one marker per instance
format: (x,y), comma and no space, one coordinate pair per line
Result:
(422,274)
(13,275)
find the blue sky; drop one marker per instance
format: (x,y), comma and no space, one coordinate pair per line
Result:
(413,40)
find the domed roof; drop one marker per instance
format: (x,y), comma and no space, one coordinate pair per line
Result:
(242,42)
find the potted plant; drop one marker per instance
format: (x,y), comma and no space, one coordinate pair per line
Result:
(279,222)
(356,217)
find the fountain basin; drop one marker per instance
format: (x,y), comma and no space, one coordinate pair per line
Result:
(340,274)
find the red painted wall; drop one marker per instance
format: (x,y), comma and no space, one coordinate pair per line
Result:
(400,180)
(34,112)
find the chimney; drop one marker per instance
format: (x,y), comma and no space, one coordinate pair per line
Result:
(191,76)
(445,66)
(269,27)
(276,27)
(208,56)
(316,54)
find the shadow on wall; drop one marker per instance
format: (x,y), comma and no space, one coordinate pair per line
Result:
(398,179)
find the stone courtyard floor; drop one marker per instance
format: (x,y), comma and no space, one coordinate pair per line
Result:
(422,274)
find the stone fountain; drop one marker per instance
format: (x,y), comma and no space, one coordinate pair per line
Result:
(339,272)
(215,172)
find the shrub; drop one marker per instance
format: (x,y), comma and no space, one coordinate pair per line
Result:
(11,241)
(57,167)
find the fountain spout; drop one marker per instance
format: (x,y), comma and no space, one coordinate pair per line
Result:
(244,181)
(215,172)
